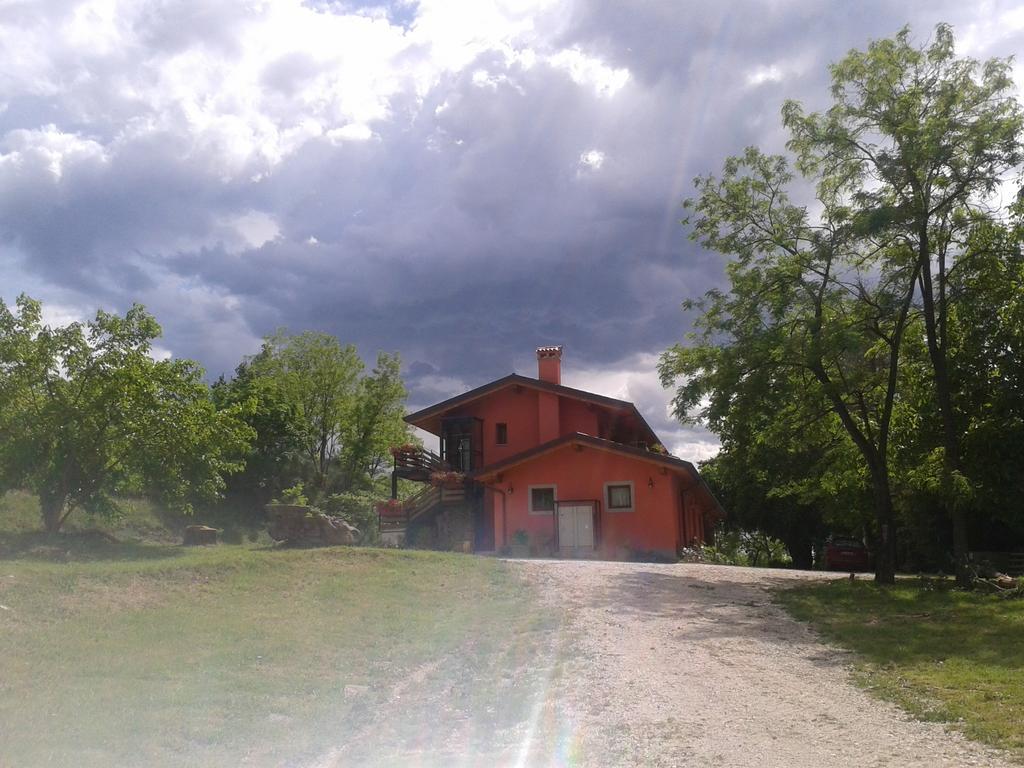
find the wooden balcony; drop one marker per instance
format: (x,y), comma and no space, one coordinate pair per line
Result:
(417,463)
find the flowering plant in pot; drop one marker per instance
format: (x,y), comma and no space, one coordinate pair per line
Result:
(404,449)
(442,479)
(390,508)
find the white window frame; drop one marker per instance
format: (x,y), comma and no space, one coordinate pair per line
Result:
(632,496)
(529,499)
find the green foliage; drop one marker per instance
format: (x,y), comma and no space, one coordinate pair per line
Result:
(294,495)
(86,412)
(273,461)
(850,357)
(318,379)
(806,343)
(747,548)
(941,653)
(919,140)
(322,410)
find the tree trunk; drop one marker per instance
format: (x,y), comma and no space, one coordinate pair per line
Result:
(800,550)
(52,507)
(944,397)
(951,467)
(885,555)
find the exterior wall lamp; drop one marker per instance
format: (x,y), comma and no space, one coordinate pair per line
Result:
(650,482)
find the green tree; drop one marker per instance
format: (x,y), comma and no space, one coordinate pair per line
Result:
(985,340)
(376,422)
(342,420)
(273,462)
(319,381)
(920,140)
(792,479)
(807,314)
(85,412)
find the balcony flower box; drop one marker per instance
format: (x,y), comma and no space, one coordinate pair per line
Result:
(447,479)
(391,508)
(406,449)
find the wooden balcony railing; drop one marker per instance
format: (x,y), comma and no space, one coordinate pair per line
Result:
(394,515)
(414,462)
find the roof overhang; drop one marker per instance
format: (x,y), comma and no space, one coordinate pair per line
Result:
(429,418)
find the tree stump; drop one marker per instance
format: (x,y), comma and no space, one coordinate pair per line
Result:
(197,535)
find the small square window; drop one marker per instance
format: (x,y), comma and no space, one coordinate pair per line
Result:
(620,496)
(542,499)
(501,433)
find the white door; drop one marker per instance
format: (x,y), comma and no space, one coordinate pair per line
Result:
(575,529)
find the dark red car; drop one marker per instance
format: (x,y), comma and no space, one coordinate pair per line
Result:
(842,554)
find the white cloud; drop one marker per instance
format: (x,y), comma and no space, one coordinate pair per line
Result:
(159,353)
(255,228)
(591,71)
(47,148)
(592,159)
(57,315)
(350,132)
(635,378)
(762,75)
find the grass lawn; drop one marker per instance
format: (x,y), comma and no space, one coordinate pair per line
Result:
(940,653)
(150,654)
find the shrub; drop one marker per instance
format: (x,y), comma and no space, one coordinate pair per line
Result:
(295,495)
(750,548)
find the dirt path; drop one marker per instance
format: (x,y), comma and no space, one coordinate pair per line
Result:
(666,665)
(650,665)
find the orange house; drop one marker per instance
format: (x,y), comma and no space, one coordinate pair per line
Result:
(568,472)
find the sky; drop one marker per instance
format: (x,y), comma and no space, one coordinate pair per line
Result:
(457,181)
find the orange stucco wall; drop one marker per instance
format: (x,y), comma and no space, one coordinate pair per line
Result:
(547,416)
(533,417)
(517,409)
(653,525)
(577,416)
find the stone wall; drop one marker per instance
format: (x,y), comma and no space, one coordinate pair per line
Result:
(455,529)
(450,530)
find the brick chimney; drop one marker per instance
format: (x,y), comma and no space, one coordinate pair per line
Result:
(549,364)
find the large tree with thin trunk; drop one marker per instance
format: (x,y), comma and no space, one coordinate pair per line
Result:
(319,379)
(808,316)
(921,141)
(342,420)
(86,413)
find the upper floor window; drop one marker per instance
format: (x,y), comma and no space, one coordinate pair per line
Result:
(501,433)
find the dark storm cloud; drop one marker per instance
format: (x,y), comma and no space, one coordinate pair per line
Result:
(502,202)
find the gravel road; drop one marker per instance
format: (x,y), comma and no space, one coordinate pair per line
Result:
(672,665)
